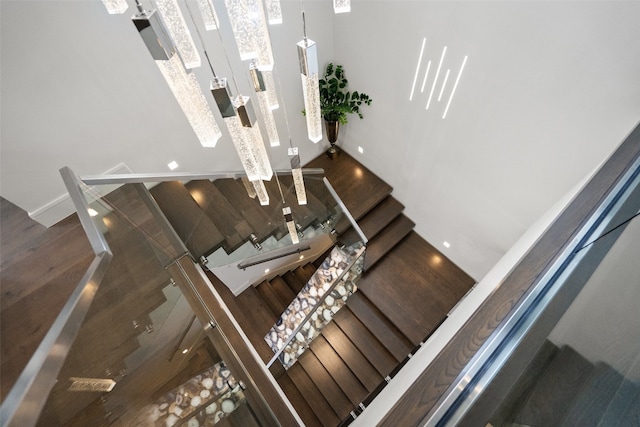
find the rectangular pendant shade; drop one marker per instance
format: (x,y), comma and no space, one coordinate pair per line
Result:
(291,225)
(208,15)
(173,18)
(115,6)
(274,12)
(250,30)
(259,84)
(298,180)
(308,57)
(341,6)
(244,131)
(183,85)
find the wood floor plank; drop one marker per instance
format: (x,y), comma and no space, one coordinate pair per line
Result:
(358,363)
(326,384)
(321,408)
(380,327)
(339,371)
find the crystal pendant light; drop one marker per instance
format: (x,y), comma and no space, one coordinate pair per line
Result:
(250,31)
(291,225)
(296,172)
(270,87)
(172,16)
(248,185)
(274,12)
(261,192)
(183,84)
(115,6)
(341,6)
(307,53)
(244,131)
(257,78)
(208,15)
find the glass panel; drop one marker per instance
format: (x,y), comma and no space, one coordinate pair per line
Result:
(573,358)
(588,370)
(141,356)
(263,228)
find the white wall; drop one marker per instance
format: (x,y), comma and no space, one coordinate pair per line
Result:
(80,89)
(549,89)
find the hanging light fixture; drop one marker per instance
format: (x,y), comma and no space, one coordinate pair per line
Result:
(115,6)
(183,84)
(291,225)
(172,16)
(208,15)
(257,77)
(245,134)
(341,6)
(261,192)
(274,12)
(248,185)
(296,172)
(250,31)
(308,56)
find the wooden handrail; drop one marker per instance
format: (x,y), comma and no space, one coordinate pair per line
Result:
(437,379)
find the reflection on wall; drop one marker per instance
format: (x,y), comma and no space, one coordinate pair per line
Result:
(202,401)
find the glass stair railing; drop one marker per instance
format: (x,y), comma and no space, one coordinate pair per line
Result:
(143,323)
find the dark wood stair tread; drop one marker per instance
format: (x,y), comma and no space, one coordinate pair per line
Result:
(303,275)
(272,299)
(285,294)
(375,352)
(360,189)
(194,227)
(293,281)
(231,224)
(236,194)
(303,408)
(319,405)
(358,363)
(325,383)
(374,221)
(392,339)
(386,240)
(339,371)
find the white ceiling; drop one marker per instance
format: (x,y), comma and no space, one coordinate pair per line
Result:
(549,89)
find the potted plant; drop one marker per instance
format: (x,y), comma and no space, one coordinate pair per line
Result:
(336,101)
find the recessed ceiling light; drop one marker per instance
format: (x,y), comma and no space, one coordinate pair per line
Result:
(360,149)
(446,244)
(173,165)
(92,212)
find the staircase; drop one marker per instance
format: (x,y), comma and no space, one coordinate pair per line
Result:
(210,215)
(565,389)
